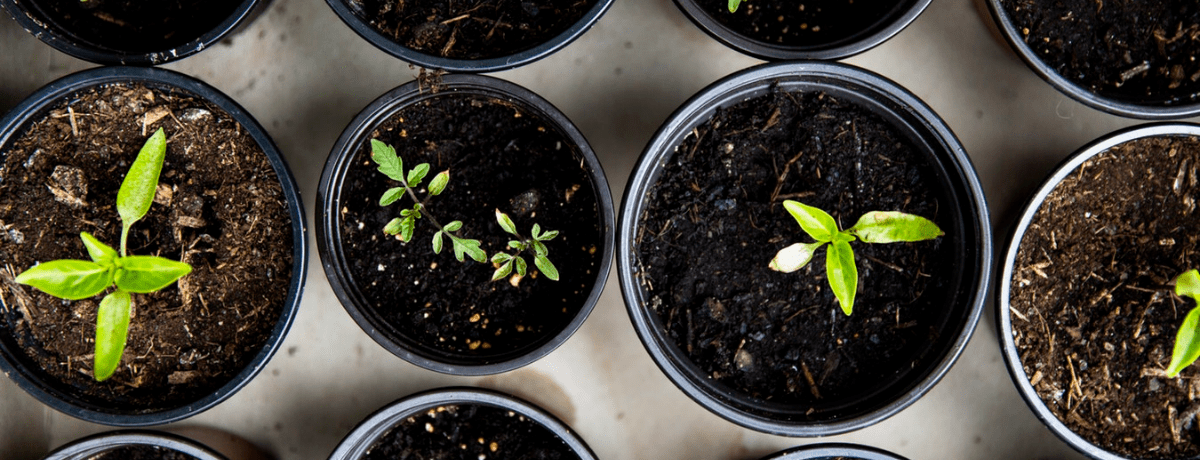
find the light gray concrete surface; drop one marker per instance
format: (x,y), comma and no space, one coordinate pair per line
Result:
(304,75)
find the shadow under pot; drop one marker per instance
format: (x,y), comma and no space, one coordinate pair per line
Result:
(472,35)
(833,451)
(788,30)
(1087,315)
(132,32)
(225,204)
(420,256)
(705,214)
(461,423)
(1133,59)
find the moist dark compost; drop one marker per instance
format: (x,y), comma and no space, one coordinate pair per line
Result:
(1133,51)
(801,23)
(136,26)
(470,29)
(715,219)
(470,431)
(219,208)
(1093,313)
(142,452)
(501,156)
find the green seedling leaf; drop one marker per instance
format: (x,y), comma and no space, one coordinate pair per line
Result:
(503,271)
(816,223)
(501,257)
(1187,341)
(417,174)
(546,267)
(68,279)
(522,269)
(390,196)
(893,226)
(140,183)
(437,243)
(506,223)
(794,257)
(393,226)
(468,247)
(517,245)
(406,229)
(1188,285)
(453,226)
(439,183)
(536,231)
(389,163)
(733,5)
(145,274)
(843,275)
(100,253)
(547,236)
(539,248)
(112,327)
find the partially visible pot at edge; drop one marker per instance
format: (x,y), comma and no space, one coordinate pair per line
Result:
(832,451)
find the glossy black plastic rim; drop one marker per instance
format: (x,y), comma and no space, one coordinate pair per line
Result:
(329,220)
(1075,91)
(56,37)
(86,448)
(833,450)
(826,76)
(1004,331)
(863,41)
(13,363)
(356,443)
(520,58)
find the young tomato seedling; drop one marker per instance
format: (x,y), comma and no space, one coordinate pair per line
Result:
(872,227)
(508,262)
(1187,341)
(81,279)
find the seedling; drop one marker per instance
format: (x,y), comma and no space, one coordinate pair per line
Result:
(81,279)
(508,262)
(1187,340)
(733,5)
(872,227)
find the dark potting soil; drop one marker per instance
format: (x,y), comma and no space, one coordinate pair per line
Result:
(133,25)
(715,219)
(1093,312)
(142,452)
(801,23)
(469,431)
(219,208)
(500,156)
(1132,51)
(470,29)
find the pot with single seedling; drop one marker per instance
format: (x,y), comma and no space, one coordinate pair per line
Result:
(763,172)
(152,247)
(465,224)
(1096,300)
(833,451)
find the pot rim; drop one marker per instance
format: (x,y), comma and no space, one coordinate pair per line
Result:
(495,64)
(50,34)
(1003,292)
(873,36)
(329,219)
(828,76)
(60,90)
(826,451)
(1074,90)
(86,447)
(365,434)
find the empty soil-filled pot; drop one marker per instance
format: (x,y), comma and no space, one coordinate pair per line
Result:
(833,451)
(471,35)
(225,204)
(135,445)
(1087,312)
(493,147)
(1134,59)
(704,215)
(786,29)
(462,423)
(132,32)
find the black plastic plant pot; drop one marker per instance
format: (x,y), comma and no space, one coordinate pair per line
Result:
(111,33)
(72,397)
(1057,197)
(353,13)
(957,299)
(427,408)
(119,444)
(1159,108)
(424,306)
(833,451)
(847,31)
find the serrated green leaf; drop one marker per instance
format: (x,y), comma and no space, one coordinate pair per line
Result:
(894,226)
(539,248)
(439,183)
(406,229)
(391,195)
(112,328)
(393,226)
(100,253)
(546,267)
(519,262)
(548,235)
(145,274)
(505,223)
(468,247)
(502,271)
(389,163)
(501,257)
(453,226)
(68,279)
(417,175)
(794,257)
(842,274)
(816,223)
(437,243)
